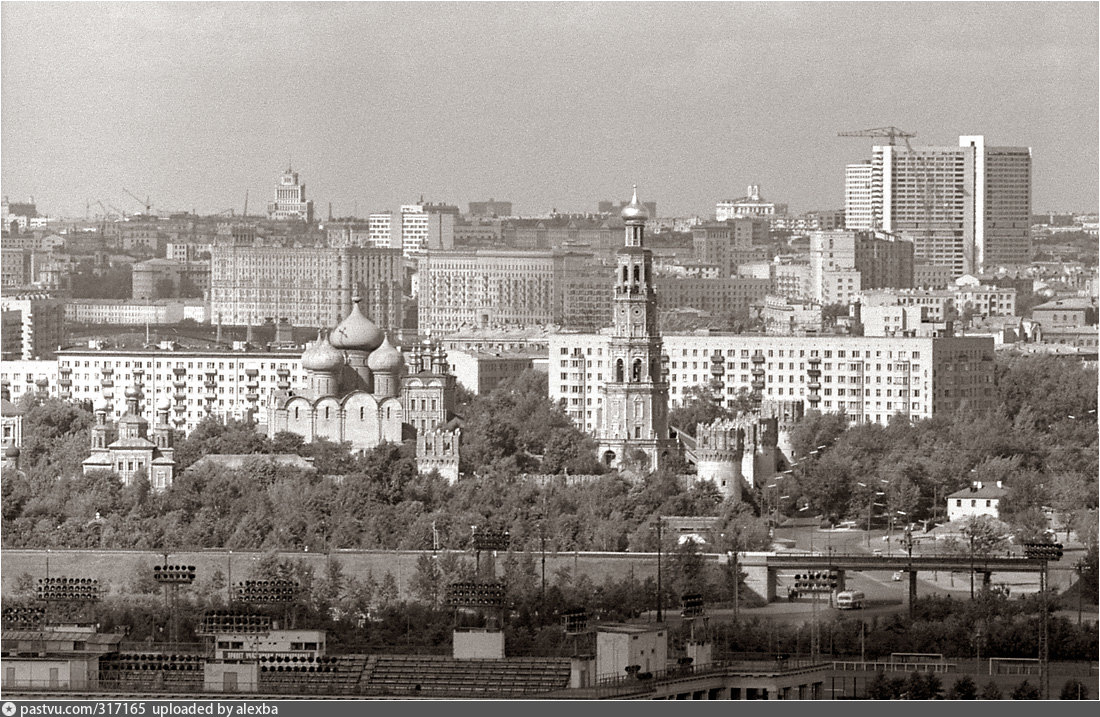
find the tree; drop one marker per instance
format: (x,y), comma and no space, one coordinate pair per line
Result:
(991,691)
(698,405)
(924,686)
(1074,690)
(427,582)
(963,689)
(1025,691)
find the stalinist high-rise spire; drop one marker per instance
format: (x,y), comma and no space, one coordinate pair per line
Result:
(634,420)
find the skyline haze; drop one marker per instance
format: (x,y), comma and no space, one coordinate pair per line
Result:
(545,105)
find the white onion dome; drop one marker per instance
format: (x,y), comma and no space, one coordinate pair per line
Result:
(322,356)
(357,332)
(634,210)
(386,358)
(133,392)
(164,404)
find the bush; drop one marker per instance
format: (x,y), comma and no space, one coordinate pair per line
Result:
(991,691)
(963,689)
(1025,691)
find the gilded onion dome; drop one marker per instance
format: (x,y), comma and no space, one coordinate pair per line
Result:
(634,210)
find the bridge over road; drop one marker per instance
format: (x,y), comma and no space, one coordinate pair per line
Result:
(764,567)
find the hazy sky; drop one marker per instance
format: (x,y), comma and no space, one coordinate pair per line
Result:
(544,104)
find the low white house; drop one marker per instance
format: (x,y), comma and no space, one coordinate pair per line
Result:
(978,499)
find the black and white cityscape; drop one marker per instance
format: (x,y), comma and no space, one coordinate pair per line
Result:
(646,351)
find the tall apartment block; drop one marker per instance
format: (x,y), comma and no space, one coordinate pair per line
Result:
(965,207)
(858,212)
(290,200)
(309,286)
(33,327)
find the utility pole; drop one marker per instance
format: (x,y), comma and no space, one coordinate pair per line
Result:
(659,615)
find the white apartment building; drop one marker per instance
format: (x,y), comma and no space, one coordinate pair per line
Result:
(125,311)
(869,378)
(858,213)
(23,377)
(380,231)
(234,384)
(33,326)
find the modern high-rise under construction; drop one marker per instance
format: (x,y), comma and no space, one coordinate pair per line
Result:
(966,207)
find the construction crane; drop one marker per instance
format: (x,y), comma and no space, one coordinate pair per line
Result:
(146,204)
(892,132)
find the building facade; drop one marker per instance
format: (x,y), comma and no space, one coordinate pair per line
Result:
(966,207)
(858,213)
(33,327)
(870,379)
(751,205)
(290,200)
(309,286)
(729,243)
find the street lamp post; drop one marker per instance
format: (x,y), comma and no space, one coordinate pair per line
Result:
(660,617)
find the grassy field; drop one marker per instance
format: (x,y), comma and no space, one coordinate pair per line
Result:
(117,568)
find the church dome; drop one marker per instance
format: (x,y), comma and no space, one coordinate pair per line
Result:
(164,404)
(133,392)
(11,451)
(634,210)
(386,358)
(322,356)
(357,332)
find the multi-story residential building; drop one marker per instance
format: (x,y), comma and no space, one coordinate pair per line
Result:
(491,208)
(932,276)
(150,279)
(290,200)
(731,295)
(478,234)
(981,300)
(791,317)
(480,372)
(125,311)
(23,377)
(883,260)
(309,286)
(858,213)
(33,327)
(348,233)
(1066,313)
(965,207)
(751,205)
(464,289)
(894,320)
(793,280)
(427,227)
(868,378)
(562,232)
(234,384)
(381,231)
(582,284)
(730,242)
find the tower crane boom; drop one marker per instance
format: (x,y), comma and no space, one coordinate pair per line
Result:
(145,203)
(892,132)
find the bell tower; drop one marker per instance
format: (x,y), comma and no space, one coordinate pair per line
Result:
(635,398)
